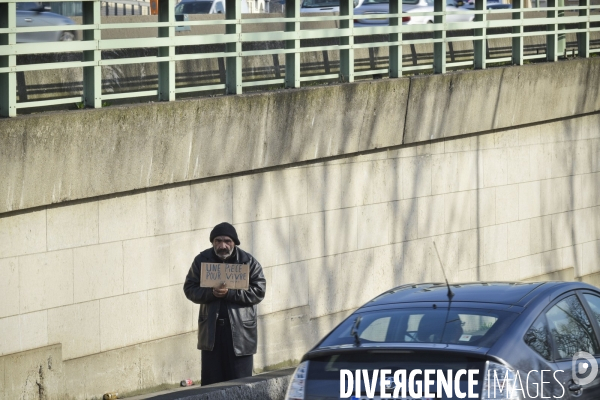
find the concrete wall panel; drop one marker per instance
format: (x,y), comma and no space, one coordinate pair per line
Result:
(9,287)
(168,210)
(289,192)
(373,226)
(76,328)
(307,236)
(431,216)
(11,332)
(252,198)
(506,91)
(495,244)
(403,220)
(325,188)
(341,230)
(590,187)
(289,286)
(469,249)
(591,255)
(529,200)
(518,236)
(122,217)
(26,369)
(45,280)
(266,306)
(168,312)
(33,330)
(123,320)
(211,203)
(358,184)
(322,291)
(73,226)
(183,247)
(23,234)
(416,177)
(444,171)
(146,263)
(519,164)
(98,271)
(271,239)
(459,210)
(507,203)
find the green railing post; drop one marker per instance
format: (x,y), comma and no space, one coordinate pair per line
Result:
(439,49)
(8,80)
(561,38)
(517,42)
(552,38)
(479,45)
(395,50)
(347,55)
(92,76)
(583,38)
(233,63)
(292,60)
(166,69)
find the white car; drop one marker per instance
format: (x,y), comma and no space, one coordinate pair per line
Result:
(32,14)
(321,6)
(408,7)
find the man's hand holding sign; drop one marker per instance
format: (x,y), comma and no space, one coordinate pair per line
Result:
(222,277)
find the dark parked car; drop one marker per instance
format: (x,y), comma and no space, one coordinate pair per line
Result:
(540,338)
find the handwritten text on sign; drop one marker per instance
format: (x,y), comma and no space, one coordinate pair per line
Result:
(234,276)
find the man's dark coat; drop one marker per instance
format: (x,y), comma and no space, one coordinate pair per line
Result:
(241,304)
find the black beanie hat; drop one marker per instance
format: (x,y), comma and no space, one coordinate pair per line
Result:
(224,229)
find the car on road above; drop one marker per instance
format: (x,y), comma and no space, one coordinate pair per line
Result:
(408,7)
(323,6)
(33,15)
(490,5)
(494,340)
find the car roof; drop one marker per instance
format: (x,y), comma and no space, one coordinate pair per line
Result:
(509,293)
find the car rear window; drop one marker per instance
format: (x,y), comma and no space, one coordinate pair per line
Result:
(470,327)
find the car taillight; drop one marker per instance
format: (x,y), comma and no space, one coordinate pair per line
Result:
(405,19)
(499,382)
(296,388)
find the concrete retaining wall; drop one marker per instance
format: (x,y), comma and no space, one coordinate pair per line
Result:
(92,288)
(141,146)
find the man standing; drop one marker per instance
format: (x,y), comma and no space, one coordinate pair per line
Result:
(227,321)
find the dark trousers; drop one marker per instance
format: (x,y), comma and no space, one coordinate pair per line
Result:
(221,364)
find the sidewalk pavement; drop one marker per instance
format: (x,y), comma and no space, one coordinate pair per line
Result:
(268,386)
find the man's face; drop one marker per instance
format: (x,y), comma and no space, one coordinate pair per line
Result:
(223,246)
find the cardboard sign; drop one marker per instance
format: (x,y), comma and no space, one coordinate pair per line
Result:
(234,276)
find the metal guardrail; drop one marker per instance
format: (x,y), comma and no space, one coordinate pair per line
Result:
(92,45)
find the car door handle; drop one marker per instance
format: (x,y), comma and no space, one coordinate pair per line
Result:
(28,19)
(573,387)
